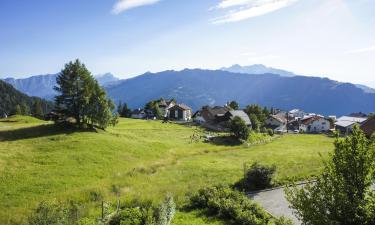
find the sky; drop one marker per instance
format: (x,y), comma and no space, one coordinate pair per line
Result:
(328,38)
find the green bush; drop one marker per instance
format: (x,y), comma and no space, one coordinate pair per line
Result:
(227,204)
(270,132)
(257,177)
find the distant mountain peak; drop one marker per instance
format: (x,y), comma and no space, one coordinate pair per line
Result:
(257,69)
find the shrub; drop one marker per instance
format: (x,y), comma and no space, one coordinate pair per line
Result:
(228,204)
(257,177)
(239,128)
(270,132)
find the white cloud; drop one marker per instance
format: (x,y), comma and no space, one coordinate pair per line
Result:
(245,9)
(124,5)
(362,50)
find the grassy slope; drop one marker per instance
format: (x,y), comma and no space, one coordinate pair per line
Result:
(145,159)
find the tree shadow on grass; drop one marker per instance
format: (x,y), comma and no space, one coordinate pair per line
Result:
(225,141)
(38,131)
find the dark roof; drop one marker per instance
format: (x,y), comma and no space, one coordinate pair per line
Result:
(368,126)
(211,113)
(241,114)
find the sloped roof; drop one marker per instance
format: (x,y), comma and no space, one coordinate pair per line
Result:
(311,119)
(182,106)
(352,119)
(240,114)
(279,118)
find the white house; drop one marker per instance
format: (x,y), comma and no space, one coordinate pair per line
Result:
(315,124)
(180,112)
(276,122)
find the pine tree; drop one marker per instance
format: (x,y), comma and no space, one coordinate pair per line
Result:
(37,108)
(82,98)
(17,110)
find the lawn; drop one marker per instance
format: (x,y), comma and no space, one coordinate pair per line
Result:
(143,159)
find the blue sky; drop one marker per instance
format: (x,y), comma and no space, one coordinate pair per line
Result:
(331,38)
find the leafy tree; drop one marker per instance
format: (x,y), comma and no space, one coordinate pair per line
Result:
(153,106)
(255,123)
(261,115)
(18,110)
(239,128)
(82,98)
(342,194)
(234,105)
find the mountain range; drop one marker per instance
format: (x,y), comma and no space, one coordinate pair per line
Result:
(10,98)
(42,85)
(251,84)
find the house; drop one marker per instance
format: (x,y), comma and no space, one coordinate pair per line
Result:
(276,122)
(235,113)
(138,114)
(345,124)
(315,124)
(180,112)
(165,105)
(209,114)
(296,113)
(368,126)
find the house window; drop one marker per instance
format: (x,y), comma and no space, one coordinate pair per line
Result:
(176,114)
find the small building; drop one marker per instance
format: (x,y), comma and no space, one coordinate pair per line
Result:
(368,127)
(210,114)
(315,124)
(138,114)
(345,124)
(276,122)
(180,112)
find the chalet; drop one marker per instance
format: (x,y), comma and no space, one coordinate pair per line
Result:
(165,105)
(138,114)
(368,127)
(209,114)
(315,124)
(180,112)
(276,122)
(345,124)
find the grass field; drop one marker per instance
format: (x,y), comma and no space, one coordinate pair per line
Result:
(142,159)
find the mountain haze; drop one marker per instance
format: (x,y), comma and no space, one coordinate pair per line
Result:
(257,69)
(215,87)
(42,85)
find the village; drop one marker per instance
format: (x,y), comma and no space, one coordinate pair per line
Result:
(294,121)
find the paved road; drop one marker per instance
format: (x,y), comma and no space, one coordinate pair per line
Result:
(274,201)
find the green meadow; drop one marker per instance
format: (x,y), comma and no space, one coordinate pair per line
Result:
(142,160)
